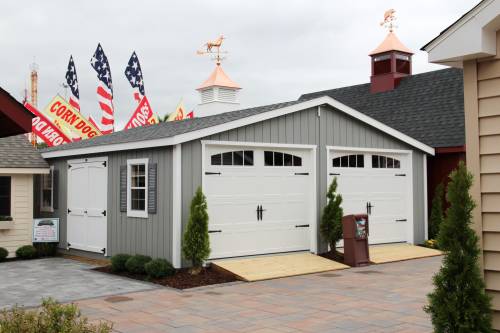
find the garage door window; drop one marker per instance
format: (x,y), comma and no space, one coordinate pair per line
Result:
(240,157)
(385,162)
(349,161)
(276,158)
(137,187)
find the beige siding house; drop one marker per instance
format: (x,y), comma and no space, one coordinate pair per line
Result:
(19,162)
(473,42)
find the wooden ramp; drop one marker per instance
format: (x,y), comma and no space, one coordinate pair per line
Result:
(384,253)
(277,266)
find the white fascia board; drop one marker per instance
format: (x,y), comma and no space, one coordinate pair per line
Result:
(473,36)
(25,171)
(243,122)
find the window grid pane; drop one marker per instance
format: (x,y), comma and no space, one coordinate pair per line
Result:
(297,161)
(216,159)
(278,159)
(238,157)
(268,158)
(360,161)
(248,155)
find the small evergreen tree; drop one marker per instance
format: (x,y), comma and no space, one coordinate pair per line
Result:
(196,243)
(459,302)
(331,221)
(437,215)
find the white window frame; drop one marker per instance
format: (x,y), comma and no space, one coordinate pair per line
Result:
(49,209)
(133,212)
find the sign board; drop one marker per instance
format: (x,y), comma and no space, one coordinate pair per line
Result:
(61,112)
(142,116)
(46,230)
(45,130)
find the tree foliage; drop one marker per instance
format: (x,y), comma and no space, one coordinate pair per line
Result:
(437,213)
(459,303)
(196,242)
(331,221)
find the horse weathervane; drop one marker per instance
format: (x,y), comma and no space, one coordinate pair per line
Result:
(208,48)
(389,18)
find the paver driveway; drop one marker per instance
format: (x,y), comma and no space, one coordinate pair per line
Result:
(381,298)
(27,282)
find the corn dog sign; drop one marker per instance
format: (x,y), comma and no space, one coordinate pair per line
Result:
(61,112)
(142,116)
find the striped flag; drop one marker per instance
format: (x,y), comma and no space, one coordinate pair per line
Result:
(133,73)
(72,81)
(100,63)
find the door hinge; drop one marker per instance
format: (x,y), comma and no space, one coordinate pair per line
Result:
(69,210)
(104,212)
(68,245)
(301,173)
(69,166)
(213,231)
(103,250)
(302,226)
(401,220)
(400,175)
(334,174)
(212,173)
(104,163)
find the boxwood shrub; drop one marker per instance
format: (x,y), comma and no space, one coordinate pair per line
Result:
(118,262)
(135,264)
(26,252)
(159,268)
(3,254)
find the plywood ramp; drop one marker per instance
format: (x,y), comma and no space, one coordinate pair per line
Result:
(277,266)
(384,253)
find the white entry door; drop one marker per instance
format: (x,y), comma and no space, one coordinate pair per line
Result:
(259,199)
(377,184)
(87,204)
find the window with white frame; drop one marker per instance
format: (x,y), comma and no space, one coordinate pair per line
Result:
(47,191)
(137,187)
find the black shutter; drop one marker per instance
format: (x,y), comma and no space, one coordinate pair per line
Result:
(123,188)
(55,189)
(152,188)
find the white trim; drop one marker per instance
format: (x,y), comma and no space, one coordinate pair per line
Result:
(313,232)
(17,171)
(48,209)
(426,208)
(130,211)
(176,205)
(89,160)
(240,123)
(409,174)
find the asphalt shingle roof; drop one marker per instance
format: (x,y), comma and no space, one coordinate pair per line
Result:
(17,152)
(428,107)
(169,129)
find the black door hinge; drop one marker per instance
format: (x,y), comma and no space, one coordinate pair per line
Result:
(400,175)
(213,231)
(212,173)
(259,212)
(104,163)
(302,226)
(104,212)
(103,250)
(401,220)
(69,166)
(301,173)
(334,174)
(69,210)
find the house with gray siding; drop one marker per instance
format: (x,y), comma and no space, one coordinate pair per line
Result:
(264,171)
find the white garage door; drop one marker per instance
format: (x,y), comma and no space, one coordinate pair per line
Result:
(377,183)
(87,201)
(259,199)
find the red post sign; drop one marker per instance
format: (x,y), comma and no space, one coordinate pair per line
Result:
(45,129)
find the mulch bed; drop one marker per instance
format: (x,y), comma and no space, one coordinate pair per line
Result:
(335,256)
(182,279)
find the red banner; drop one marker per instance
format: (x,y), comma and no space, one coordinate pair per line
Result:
(45,129)
(143,115)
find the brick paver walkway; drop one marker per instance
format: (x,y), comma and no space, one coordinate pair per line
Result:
(381,298)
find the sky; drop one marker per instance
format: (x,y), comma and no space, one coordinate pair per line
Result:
(277,49)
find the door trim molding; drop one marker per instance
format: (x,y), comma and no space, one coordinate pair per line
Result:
(88,160)
(176,205)
(313,204)
(409,172)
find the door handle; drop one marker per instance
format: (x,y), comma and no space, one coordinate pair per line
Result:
(258,213)
(369,208)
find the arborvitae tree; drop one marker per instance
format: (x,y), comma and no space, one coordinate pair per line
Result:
(331,221)
(459,303)
(437,215)
(196,242)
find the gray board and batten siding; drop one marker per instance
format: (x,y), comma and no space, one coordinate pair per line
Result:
(330,128)
(151,236)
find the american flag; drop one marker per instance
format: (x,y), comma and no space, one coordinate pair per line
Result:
(133,73)
(72,81)
(100,63)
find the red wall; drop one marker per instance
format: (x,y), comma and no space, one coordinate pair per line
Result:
(439,167)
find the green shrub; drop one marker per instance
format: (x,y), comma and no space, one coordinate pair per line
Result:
(46,249)
(26,252)
(118,262)
(437,214)
(3,254)
(196,243)
(159,268)
(135,264)
(459,302)
(52,317)
(331,221)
